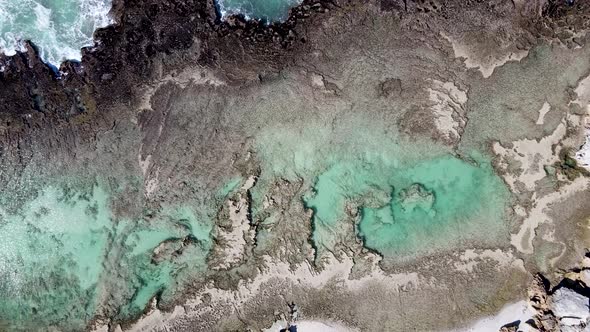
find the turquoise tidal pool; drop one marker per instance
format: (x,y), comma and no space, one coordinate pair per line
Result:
(407,212)
(404,198)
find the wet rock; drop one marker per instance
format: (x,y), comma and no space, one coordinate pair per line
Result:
(390,87)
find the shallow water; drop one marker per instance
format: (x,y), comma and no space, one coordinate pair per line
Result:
(404,199)
(58,28)
(436,205)
(64,255)
(411,211)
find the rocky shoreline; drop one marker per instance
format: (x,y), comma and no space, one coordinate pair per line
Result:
(143,33)
(174,96)
(147,38)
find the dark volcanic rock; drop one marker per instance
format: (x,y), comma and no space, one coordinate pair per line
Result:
(129,53)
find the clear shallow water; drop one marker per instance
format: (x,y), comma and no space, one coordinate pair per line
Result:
(65,258)
(269,10)
(411,211)
(440,202)
(59,28)
(405,198)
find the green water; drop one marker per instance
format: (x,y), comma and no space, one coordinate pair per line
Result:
(435,204)
(65,259)
(269,10)
(403,198)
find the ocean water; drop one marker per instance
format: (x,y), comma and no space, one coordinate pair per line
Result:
(268,10)
(59,28)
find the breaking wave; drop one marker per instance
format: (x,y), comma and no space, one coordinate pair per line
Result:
(59,29)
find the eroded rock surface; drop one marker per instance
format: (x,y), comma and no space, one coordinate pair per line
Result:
(385,165)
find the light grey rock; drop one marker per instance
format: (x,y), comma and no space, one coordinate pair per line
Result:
(570,307)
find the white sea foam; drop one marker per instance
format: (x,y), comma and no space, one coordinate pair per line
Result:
(43,17)
(58,28)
